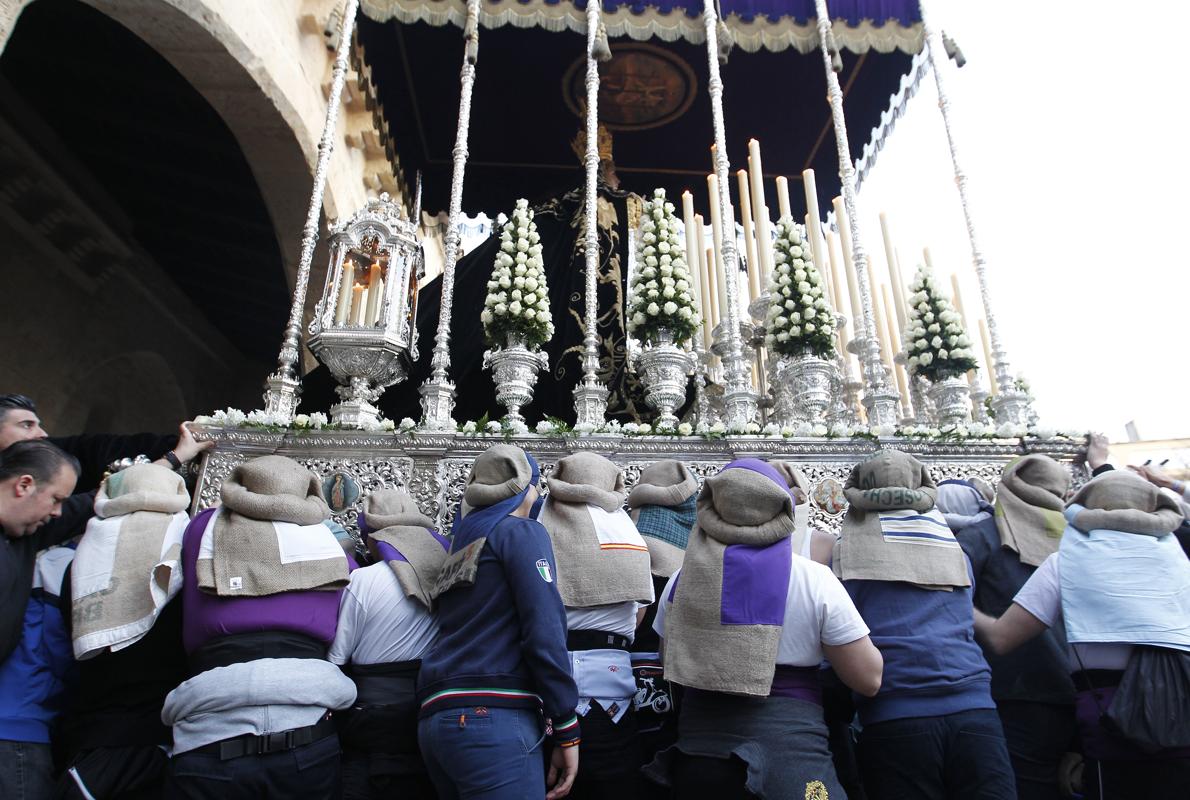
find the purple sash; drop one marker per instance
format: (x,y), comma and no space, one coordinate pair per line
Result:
(799,683)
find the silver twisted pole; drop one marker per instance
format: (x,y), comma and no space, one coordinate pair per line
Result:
(1010,404)
(438,392)
(879,398)
(740,403)
(590,397)
(284,386)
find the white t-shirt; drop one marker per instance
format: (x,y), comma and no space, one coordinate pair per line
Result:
(379,623)
(818,611)
(614,618)
(1041,596)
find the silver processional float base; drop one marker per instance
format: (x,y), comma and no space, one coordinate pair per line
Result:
(433,467)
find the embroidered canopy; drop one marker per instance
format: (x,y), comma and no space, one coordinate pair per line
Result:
(859,25)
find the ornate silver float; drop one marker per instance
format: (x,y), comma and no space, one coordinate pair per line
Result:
(952,401)
(363,328)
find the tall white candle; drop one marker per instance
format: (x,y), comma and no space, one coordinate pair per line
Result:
(359,300)
(925,251)
(857,309)
(375,289)
(708,275)
(814,226)
(890,257)
(987,357)
(755,288)
(760,212)
(783,207)
(823,269)
(717,241)
(345,283)
(693,263)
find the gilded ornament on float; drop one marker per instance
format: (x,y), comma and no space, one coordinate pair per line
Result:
(363,327)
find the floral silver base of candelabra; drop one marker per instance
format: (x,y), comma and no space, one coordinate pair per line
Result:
(952,401)
(808,382)
(664,367)
(515,369)
(365,362)
(1012,406)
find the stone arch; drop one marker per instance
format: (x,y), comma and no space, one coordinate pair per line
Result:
(132,391)
(262,74)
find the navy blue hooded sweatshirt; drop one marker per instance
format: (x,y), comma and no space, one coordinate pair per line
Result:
(502,639)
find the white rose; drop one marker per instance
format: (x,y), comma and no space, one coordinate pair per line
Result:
(685,429)
(670,307)
(485,317)
(809,327)
(500,309)
(514,308)
(653,309)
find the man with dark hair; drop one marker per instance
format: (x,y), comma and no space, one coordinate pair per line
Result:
(36,477)
(19,422)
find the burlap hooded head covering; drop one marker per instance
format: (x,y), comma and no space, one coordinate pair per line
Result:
(1123,501)
(799,487)
(404,538)
(601,557)
(1029,507)
(724,627)
(663,506)
(127,566)
(498,473)
(962,504)
(271,502)
(501,479)
(893,531)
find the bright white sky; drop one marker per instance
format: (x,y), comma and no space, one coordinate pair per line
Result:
(1071,134)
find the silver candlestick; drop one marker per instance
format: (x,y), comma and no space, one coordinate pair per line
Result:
(739,401)
(438,392)
(880,399)
(590,396)
(283,387)
(1010,404)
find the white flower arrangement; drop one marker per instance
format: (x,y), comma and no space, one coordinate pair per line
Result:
(661,295)
(800,320)
(936,345)
(518,300)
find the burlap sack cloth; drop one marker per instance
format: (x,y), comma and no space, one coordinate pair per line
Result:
(258,493)
(592,572)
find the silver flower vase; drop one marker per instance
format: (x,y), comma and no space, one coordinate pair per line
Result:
(664,367)
(515,369)
(813,380)
(952,401)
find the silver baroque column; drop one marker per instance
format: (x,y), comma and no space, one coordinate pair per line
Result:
(740,403)
(880,399)
(438,392)
(1010,404)
(283,387)
(590,397)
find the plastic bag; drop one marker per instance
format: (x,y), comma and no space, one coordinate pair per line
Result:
(1151,708)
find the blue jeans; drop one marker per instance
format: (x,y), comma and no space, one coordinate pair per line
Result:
(483,753)
(26,771)
(958,756)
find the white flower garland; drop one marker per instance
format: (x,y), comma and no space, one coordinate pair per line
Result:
(661,295)
(518,301)
(935,342)
(799,320)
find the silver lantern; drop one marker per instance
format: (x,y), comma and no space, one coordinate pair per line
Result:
(363,328)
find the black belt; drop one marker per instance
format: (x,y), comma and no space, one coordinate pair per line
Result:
(249,745)
(596,640)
